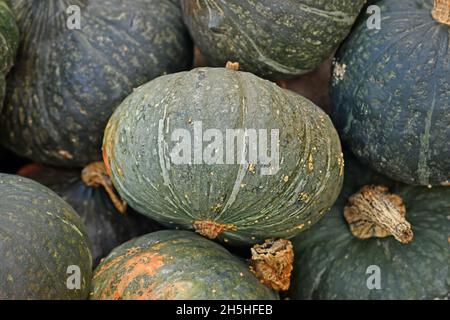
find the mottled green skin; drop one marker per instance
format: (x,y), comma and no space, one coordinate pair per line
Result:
(106,227)
(393,104)
(175,265)
(40,237)
(259,206)
(272,39)
(67,83)
(330,263)
(9,42)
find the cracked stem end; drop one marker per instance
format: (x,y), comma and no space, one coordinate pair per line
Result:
(441,11)
(272,263)
(374,212)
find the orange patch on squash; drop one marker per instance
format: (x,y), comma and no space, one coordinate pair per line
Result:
(143,264)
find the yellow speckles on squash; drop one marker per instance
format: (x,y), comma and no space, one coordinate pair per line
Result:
(216,208)
(286,178)
(119,171)
(310,162)
(251,168)
(301,226)
(303,196)
(339,71)
(341,164)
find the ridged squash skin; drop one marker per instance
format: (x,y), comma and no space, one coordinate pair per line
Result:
(391,93)
(67,82)
(272,39)
(139,142)
(41,236)
(105,225)
(330,263)
(9,42)
(175,265)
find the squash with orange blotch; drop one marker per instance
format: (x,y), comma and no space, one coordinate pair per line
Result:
(175,265)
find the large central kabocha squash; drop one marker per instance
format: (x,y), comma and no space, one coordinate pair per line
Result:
(391,92)
(271,38)
(44,248)
(67,82)
(175,265)
(331,263)
(167,150)
(107,222)
(9,42)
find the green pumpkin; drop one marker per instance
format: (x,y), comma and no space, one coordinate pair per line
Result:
(9,42)
(273,39)
(391,93)
(331,263)
(43,244)
(67,82)
(212,186)
(105,225)
(175,265)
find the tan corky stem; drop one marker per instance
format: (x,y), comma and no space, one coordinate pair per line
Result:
(441,11)
(374,212)
(95,175)
(212,229)
(272,263)
(232,66)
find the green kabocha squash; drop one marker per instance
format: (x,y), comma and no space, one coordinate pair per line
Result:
(108,223)
(391,92)
(67,81)
(9,42)
(175,265)
(332,263)
(183,150)
(274,39)
(44,249)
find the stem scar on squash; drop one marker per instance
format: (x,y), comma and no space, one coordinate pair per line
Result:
(234,66)
(272,263)
(212,229)
(374,212)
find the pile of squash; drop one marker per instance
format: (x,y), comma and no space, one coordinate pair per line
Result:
(179,149)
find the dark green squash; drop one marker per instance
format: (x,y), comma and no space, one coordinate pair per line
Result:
(105,225)
(331,263)
(41,237)
(246,201)
(67,83)
(391,93)
(9,42)
(175,265)
(273,39)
